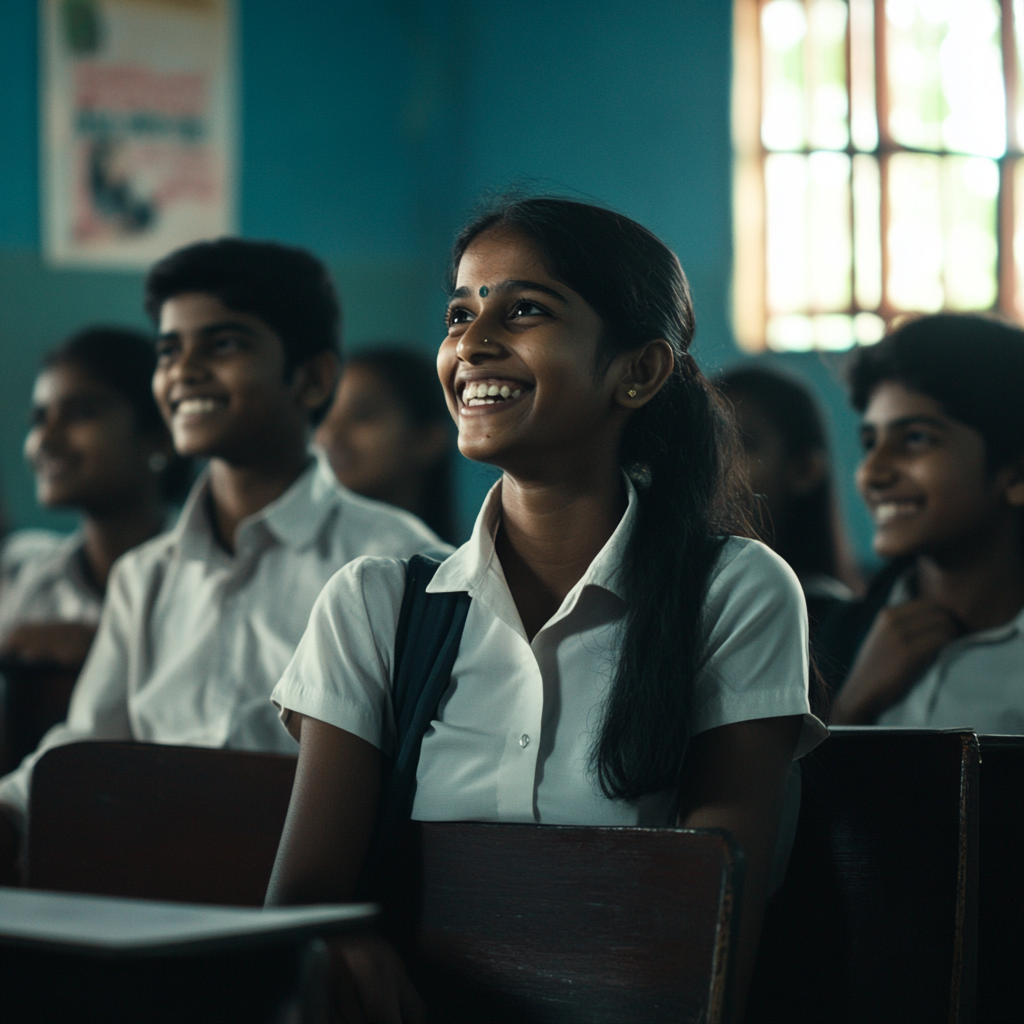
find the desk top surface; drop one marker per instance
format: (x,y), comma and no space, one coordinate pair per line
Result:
(113,926)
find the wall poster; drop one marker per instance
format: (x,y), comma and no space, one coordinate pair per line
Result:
(138,128)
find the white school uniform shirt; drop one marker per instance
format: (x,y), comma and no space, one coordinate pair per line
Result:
(976,682)
(192,639)
(43,579)
(514,731)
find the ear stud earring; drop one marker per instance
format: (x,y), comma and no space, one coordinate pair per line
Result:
(631,392)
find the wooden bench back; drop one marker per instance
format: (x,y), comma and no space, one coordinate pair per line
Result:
(876,920)
(1001,880)
(531,923)
(157,822)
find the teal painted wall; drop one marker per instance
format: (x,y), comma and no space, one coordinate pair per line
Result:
(370,128)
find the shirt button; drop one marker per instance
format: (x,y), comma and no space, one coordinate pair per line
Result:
(524,741)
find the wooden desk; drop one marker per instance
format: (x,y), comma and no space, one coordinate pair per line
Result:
(499,922)
(69,958)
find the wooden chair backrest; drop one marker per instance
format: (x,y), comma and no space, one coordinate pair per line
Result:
(877,917)
(532,923)
(157,822)
(1001,880)
(566,924)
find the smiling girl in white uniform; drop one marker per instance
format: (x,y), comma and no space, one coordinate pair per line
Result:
(626,659)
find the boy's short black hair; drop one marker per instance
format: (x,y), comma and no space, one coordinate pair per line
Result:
(288,288)
(971,364)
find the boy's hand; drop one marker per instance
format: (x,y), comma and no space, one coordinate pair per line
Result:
(370,984)
(902,642)
(66,643)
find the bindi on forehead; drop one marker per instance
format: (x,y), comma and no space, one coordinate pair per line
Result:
(484,291)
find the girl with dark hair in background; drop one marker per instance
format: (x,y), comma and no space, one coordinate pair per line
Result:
(608,578)
(786,455)
(388,434)
(939,639)
(97,444)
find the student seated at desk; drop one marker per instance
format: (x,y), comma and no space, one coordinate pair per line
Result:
(624,660)
(786,457)
(939,639)
(200,622)
(97,444)
(388,434)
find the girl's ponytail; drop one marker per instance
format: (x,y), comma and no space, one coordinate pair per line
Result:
(676,451)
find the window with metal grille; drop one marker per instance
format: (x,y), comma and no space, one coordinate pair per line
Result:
(878,166)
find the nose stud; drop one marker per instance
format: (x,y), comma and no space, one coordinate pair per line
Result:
(485,341)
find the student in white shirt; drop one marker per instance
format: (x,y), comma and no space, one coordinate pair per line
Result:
(97,444)
(200,622)
(939,640)
(388,434)
(624,660)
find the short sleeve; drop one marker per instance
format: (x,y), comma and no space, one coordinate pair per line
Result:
(341,671)
(757,665)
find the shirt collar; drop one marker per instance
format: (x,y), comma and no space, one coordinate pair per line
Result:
(295,518)
(475,568)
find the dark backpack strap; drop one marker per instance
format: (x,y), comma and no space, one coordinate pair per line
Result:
(426,646)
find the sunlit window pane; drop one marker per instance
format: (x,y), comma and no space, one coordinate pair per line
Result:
(942,232)
(945,75)
(783,29)
(1018,31)
(1018,234)
(834,332)
(971,189)
(867,231)
(915,232)
(790,334)
(829,237)
(863,120)
(868,328)
(826,63)
(785,180)
(808,231)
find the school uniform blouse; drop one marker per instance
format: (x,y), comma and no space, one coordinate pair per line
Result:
(976,682)
(514,730)
(192,639)
(43,579)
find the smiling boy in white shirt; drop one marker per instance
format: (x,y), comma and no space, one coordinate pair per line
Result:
(939,640)
(200,622)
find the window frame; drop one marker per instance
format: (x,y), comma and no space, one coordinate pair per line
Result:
(750,271)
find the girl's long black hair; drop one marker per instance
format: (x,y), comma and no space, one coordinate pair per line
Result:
(680,450)
(811,539)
